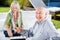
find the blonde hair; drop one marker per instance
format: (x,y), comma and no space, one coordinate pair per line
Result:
(16,4)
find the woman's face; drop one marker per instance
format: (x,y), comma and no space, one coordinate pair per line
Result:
(14,9)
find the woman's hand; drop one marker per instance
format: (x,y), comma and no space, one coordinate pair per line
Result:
(9,33)
(17,29)
(8,29)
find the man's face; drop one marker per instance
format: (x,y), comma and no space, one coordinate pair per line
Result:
(40,15)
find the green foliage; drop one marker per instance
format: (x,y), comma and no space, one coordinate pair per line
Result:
(21,2)
(56,23)
(24,3)
(4,9)
(9,2)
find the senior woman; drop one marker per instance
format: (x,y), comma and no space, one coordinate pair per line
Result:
(13,23)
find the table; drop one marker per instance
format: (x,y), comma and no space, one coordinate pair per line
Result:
(16,38)
(54,11)
(2,37)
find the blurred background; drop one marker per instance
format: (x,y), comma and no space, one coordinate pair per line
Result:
(25,4)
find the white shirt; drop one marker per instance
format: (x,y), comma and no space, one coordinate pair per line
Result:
(45,30)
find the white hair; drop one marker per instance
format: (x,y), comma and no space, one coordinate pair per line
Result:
(45,10)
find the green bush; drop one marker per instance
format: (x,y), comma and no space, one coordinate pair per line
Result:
(9,2)
(21,2)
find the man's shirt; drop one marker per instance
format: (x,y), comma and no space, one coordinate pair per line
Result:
(45,30)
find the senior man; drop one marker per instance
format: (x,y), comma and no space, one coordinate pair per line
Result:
(43,29)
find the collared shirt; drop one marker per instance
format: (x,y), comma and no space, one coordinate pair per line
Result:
(45,30)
